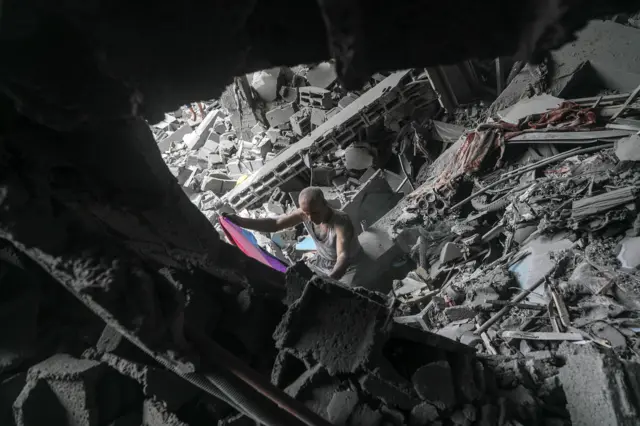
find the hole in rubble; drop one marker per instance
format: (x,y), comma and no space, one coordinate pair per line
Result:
(439,204)
(407,356)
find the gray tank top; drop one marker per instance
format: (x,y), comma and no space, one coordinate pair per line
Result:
(326,247)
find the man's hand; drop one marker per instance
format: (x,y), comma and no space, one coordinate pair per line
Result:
(233,218)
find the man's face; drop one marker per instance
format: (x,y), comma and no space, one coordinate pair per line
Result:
(316,211)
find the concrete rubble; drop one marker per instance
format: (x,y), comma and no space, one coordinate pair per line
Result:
(501,248)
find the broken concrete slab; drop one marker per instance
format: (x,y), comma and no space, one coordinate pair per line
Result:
(301,122)
(265,83)
(38,405)
(318,116)
(423,414)
(450,252)
(315,97)
(372,201)
(73,382)
(217,183)
(154,413)
(531,106)
(341,406)
(322,75)
(596,387)
(443,395)
(280,115)
(344,320)
(174,138)
(364,415)
(391,395)
(584,280)
(358,157)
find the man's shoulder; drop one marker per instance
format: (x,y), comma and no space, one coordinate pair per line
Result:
(341,219)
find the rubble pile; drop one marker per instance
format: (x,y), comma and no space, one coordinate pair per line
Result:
(61,365)
(354,366)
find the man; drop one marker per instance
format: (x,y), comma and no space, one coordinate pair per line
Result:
(337,244)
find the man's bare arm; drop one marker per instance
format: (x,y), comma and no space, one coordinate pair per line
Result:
(344,234)
(269,224)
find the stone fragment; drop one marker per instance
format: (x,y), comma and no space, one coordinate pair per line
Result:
(280,115)
(629,253)
(458,313)
(434,383)
(450,252)
(154,413)
(389,394)
(38,405)
(341,406)
(358,157)
(628,149)
(423,414)
(460,419)
(364,415)
(584,280)
(394,417)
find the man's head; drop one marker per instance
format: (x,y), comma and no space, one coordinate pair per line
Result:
(313,205)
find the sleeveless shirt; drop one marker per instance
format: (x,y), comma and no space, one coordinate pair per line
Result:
(327,246)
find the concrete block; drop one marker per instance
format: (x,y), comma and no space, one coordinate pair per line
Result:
(10,389)
(596,387)
(628,149)
(423,414)
(388,393)
(322,75)
(364,415)
(234,167)
(38,405)
(211,146)
(177,136)
(74,382)
(219,184)
(358,157)
(220,126)
(280,115)
(374,199)
(265,146)
(301,122)
(450,252)
(273,134)
(154,413)
(214,159)
(256,164)
(289,94)
(350,98)
(341,406)
(258,128)
(315,97)
(214,137)
(443,395)
(318,116)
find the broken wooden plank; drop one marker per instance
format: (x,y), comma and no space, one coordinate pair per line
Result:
(540,335)
(601,203)
(630,99)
